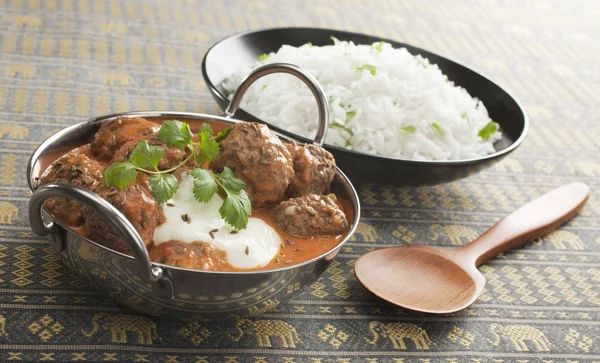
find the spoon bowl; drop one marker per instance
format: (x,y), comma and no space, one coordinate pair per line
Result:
(430,280)
(443,281)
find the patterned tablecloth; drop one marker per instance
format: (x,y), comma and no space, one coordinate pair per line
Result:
(63,61)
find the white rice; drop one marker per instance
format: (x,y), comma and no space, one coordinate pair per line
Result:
(408,108)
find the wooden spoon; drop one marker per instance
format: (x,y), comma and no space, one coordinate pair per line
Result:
(443,281)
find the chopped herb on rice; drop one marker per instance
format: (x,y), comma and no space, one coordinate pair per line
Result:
(408,108)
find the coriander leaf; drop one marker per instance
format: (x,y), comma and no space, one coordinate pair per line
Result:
(463,115)
(262,57)
(347,143)
(335,125)
(204,184)
(230,182)
(205,130)
(146,156)
(335,40)
(163,186)
(350,115)
(438,129)
(236,208)
(229,92)
(309,44)
(410,129)
(368,67)
(208,148)
(175,133)
(221,135)
(120,175)
(379,45)
(488,130)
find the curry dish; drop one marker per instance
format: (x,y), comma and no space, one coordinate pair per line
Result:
(193,217)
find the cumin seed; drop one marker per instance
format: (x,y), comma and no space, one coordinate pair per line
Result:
(170,205)
(288,261)
(114,192)
(276,260)
(289,242)
(235,231)
(186,218)
(247,250)
(212,232)
(298,249)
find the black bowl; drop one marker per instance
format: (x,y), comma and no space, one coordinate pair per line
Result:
(241,50)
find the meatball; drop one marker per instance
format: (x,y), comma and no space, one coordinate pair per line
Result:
(259,158)
(311,216)
(314,169)
(114,134)
(136,203)
(172,156)
(196,256)
(75,168)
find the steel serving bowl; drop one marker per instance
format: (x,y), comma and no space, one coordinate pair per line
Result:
(159,289)
(240,51)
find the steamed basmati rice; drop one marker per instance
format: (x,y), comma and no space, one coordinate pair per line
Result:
(382,100)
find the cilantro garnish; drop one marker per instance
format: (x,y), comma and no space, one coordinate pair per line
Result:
(120,174)
(488,130)
(350,115)
(262,57)
(335,125)
(145,158)
(368,67)
(163,186)
(378,46)
(438,129)
(221,135)
(410,129)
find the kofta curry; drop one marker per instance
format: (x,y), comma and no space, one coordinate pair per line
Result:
(241,199)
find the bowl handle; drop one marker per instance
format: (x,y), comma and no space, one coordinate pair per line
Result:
(303,75)
(148,272)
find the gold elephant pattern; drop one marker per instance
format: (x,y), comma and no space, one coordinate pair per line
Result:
(509,165)
(115,78)
(266,307)
(88,252)
(560,237)
(263,330)
(458,235)
(27,20)
(519,335)
(24,70)
(3,326)
(366,231)
(587,168)
(8,213)
(398,332)
(18,132)
(120,324)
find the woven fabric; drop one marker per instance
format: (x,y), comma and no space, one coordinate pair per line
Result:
(63,61)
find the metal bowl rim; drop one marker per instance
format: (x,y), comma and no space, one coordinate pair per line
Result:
(69,129)
(213,89)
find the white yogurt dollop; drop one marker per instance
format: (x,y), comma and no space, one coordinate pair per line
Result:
(259,239)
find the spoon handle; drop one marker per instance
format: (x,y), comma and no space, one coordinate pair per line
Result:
(533,220)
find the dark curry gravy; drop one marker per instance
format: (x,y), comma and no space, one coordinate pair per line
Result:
(293,249)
